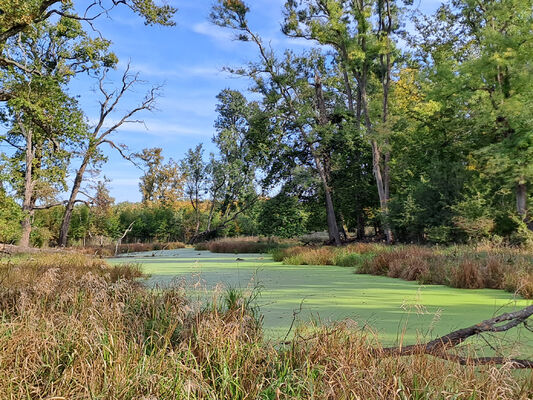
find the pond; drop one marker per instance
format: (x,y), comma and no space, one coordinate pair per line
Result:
(395,309)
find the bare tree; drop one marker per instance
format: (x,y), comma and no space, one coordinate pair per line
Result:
(101,135)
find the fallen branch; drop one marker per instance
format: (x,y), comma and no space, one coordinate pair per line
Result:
(440,346)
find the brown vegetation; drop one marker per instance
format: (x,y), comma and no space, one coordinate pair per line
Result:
(243,245)
(126,248)
(79,331)
(457,266)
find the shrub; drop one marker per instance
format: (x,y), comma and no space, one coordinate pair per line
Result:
(202,246)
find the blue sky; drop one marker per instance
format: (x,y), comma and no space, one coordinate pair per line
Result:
(188,60)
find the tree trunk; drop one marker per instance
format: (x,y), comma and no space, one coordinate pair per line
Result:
(69,209)
(27,207)
(323,168)
(376,164)
(521,200)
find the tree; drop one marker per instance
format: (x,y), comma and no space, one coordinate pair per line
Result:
(282,216)
(18,15)
(477,56)
(295,88)
(43,121)
(90,149)
(161,183)
(194,172)
(361,34)
(232,179)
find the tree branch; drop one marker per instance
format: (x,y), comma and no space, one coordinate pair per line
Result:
(438,347)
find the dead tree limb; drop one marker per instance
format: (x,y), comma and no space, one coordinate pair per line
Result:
(439,347)
(119,241)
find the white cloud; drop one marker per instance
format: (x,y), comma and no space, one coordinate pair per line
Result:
(222,36)
(163,129)
(179,72)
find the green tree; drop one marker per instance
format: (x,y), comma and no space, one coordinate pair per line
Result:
(194,172)
(295,88)
(162,182)
(282,216)
(361,34)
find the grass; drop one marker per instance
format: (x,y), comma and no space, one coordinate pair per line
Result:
(126,248)
(244,245)
(88,336)
(458,266)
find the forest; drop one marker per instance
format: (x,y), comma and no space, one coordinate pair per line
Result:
(420,135)
(356,225)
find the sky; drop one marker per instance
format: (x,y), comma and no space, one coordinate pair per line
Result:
(187,60)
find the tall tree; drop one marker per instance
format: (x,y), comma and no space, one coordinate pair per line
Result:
(162,182)
(90,150)
(43,121)
(194,172)
(295,86)
(482,53)
(361,33)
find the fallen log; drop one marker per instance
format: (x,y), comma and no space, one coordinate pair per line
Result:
(439,347)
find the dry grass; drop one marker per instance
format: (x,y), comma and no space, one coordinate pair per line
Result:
(109,250)
(347,256)
(459,267)
(243,245)
(78,333)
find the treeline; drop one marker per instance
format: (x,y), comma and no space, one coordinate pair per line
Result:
(423,135)
(157,222)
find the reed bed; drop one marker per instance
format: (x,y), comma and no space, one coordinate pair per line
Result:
(125,248)
(465,267)
(79,331)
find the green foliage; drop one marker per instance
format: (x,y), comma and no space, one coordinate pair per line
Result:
(282,216)
(10,219)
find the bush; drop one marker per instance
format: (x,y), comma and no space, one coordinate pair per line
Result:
(10,219)
(282,216)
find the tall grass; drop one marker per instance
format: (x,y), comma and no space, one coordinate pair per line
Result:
(81,332)
(126,248)
(244,245)
(457,266)
(348,256)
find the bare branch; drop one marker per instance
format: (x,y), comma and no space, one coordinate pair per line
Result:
(120,149)
(6,62)
(439,346)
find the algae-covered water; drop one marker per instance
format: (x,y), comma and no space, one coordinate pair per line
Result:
(391,307)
